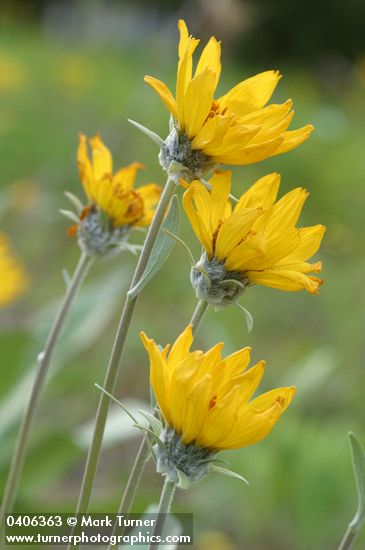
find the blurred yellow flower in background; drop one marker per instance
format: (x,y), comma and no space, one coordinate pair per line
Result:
(13,72)
(256,242)
(114,193)
(75,73)
(206,400)
(237,128)
(14,279)
(214,540)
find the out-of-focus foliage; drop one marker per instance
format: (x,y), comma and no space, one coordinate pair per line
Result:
(61,75)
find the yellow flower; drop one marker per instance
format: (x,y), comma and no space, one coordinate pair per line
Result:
(206,400)
(237,128)
(114,193)
(258,242)
(13,277)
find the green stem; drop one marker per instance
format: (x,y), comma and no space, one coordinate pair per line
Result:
(166,499)
(348,539)
(143,451)
(198,314)
(132,485)
(117,351)
(43,364)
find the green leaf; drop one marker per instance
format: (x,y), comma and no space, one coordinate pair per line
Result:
(228,473)
(154,422)
(358,464)
(184,482)
(117,402)
(152,135)
(162,247)
(153,401)
(247,314)
(69,215)
(75,201)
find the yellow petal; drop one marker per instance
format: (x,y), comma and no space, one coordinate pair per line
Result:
(127,175)
(150,195)
(198,101)
(268,116)
(181,346)
(251,94)
(184,37)
(213,132)
(102,158)
(197,222)
(290,281)
(163,91)
(236,363)
(260,417)
(274,130)
(184,73)
(285,213)
(221,188)
(210,59)
(236,138)
(262,194)
(310,240)
(252,248)
(157,375)
(234,229)
(278,247)
(84,165)
(251,153)
(294,138)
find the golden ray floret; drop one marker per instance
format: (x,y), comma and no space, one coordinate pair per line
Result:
(237,128)
(207,400)
(257,241)
(113,193)
(14,279)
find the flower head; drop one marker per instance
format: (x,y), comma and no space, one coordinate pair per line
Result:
(114,206)
(256,242)
(13,277)
(236,128)
(206,403)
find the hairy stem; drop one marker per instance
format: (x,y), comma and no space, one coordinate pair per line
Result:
(43,364)
(166,499)
(348,539)
(117,352)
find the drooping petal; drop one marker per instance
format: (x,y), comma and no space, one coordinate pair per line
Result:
(163,91)
(281,279)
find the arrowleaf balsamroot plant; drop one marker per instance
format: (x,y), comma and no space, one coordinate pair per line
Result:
(204,403)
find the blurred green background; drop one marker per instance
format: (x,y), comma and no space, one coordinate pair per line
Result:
(67,67)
